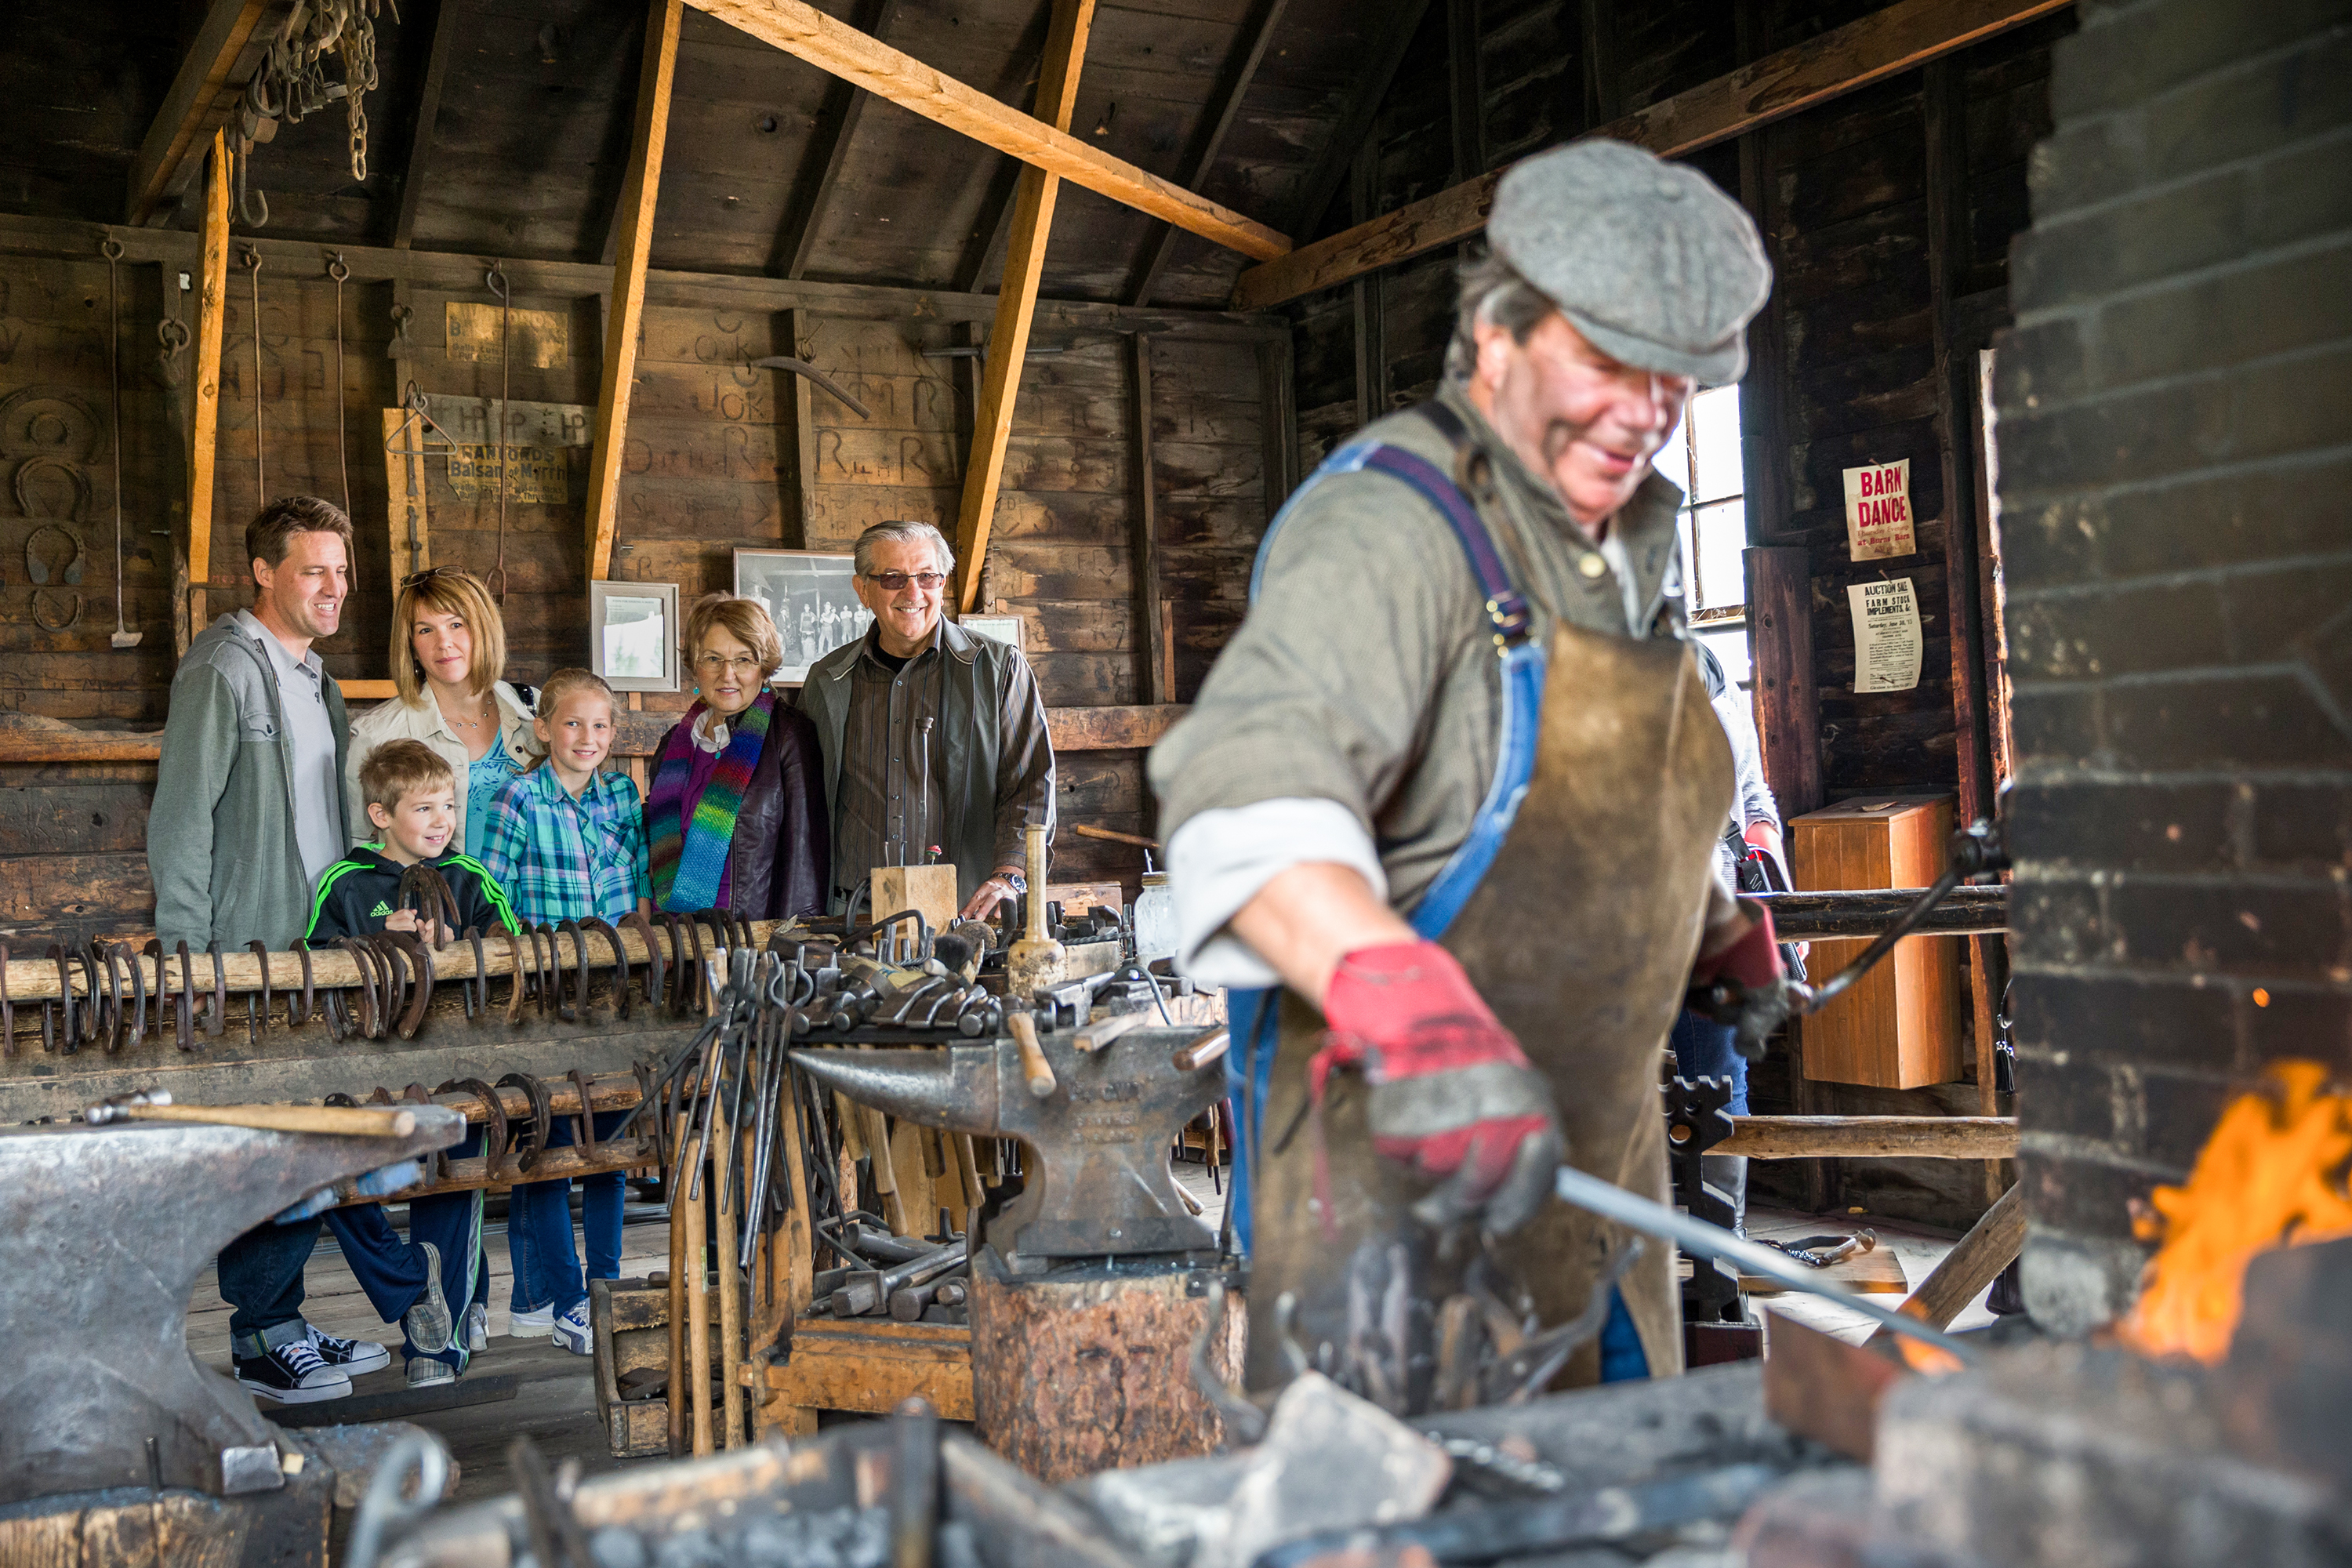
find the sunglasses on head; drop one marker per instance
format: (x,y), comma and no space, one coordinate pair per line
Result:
(414,578)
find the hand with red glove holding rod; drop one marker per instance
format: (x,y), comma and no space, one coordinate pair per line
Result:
(1739,980)
(1452,1093)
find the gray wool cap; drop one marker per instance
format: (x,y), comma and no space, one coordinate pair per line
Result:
(1651,262)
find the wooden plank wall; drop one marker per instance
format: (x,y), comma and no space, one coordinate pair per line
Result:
(712,463)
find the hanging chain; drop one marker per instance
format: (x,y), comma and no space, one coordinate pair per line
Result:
(497,279)
(292,82)
(339,272)
(251,259)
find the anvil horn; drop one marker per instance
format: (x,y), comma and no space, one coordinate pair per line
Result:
(954,1089)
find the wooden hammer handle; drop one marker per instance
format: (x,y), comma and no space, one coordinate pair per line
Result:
(364,1122)
(1111,835)
(1034,1068)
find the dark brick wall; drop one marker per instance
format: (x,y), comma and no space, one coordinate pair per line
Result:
(2176,447)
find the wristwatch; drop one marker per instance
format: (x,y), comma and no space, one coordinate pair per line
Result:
(1014,880)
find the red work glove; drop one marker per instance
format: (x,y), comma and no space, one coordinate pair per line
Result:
(1452,1093)
(1757,1002)
(1753,958)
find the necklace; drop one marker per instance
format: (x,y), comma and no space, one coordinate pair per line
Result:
(468,723)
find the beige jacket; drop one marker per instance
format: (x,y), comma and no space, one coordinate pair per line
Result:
(396,721)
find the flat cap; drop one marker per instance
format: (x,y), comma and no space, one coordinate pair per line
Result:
(1648,260)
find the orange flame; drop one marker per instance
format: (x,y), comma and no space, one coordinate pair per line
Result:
(2271,1174)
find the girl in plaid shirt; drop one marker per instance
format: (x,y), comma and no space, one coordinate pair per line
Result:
(568,841)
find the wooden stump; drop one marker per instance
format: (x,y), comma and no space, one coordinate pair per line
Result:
(1089,1370)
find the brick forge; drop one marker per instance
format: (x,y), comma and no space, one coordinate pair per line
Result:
(2176,488)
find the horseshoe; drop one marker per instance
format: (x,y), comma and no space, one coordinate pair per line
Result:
(475,990)
(217,1017)
(540,1117)
(64,996)
(436,903)
(339,1025)
(399,975)
(371,1008)
(303,949)
(514,956)
(8,1009)
(256,1020)
(420,963)
(690,977)
(580,1009)
(637,922)
(184,1019)
(113,998)
(675,997)
(542,962)
(587,1130)
(612,936)
(494,1124)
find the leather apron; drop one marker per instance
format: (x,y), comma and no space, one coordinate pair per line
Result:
(1580,934)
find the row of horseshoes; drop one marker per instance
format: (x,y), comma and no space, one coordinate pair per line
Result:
(396,977)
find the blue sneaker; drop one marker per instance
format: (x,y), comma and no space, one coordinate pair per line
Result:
(573,1333)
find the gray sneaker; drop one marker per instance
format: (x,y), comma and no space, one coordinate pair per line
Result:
(424,1372)
(427,1324)
(478,1327)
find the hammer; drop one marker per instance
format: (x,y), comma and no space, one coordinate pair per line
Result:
(867,1291)
(155,1105)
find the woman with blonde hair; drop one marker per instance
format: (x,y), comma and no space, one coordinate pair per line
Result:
(735,819)
(449,652)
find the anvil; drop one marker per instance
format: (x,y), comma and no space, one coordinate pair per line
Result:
(1099,1185)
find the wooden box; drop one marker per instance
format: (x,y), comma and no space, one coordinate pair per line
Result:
(931,888)
(1899,1026)
(628,1320)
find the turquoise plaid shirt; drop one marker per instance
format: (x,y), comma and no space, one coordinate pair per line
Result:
(560,859)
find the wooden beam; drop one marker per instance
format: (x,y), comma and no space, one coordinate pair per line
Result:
(1604,77)
(1042,142)
(203,435)
(1465,89)
(1225,106)
(1153,678)
(639,193)
(1871,1138)
(1106,729)
(1016,300)
(1898,39)
(1991,1246)
(1788,703)
(201,98)
(799,341)
(428,117)
(845,105)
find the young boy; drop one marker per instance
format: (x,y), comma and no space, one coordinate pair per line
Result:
(569,839)
(412,800)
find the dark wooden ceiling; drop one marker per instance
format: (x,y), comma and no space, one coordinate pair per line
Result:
(535,101)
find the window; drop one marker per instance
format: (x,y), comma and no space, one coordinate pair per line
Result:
(1703,456)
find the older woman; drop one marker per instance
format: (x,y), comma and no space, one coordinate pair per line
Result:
(735,819)
(448,650)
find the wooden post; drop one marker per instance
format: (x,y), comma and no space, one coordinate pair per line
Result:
(638,192)
(799,340)
(790,1265)
(689,1212)
(1016,301)
(725,1151)
(405,518)
(203,439)
(1990,1246)
(1153,678)
(175,411)
(1788,705)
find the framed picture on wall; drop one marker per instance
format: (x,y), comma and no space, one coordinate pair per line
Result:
(633,629)
(811,598)
(1004,628)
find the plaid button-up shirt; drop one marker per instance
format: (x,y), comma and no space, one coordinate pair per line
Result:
(560,859)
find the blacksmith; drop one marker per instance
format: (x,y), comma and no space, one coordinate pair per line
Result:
(932,735)
(1451,797)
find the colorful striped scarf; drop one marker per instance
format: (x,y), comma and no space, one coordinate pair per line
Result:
(686,862)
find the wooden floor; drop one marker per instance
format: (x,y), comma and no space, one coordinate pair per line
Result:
(555,1402)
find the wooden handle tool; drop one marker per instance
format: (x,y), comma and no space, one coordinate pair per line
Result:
(1202,1049)
(360,1123)
(1111,835)
(1034,1068)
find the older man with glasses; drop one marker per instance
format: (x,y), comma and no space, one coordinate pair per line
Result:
(934,738)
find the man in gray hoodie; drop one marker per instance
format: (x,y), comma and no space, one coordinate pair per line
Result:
(248,810)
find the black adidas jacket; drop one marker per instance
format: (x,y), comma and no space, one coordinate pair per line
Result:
(359,893)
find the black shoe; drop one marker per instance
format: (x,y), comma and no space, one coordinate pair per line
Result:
(293,1373)
(352,1357)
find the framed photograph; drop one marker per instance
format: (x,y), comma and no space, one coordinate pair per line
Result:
(811,598)
(1004,628)
(633,629)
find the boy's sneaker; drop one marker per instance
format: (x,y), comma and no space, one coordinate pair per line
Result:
(572,1330)
(478,1327)
(293,1373)
(353,1358)
(535,1324)
(427,1324)
(424,1372)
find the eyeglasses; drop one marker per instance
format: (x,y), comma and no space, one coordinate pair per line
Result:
(711,664)
(414,578)
(892,581)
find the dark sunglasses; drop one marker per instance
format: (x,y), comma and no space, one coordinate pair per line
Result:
(414,578)
(893,581)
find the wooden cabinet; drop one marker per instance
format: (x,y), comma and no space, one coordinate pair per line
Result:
(1899,1026)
